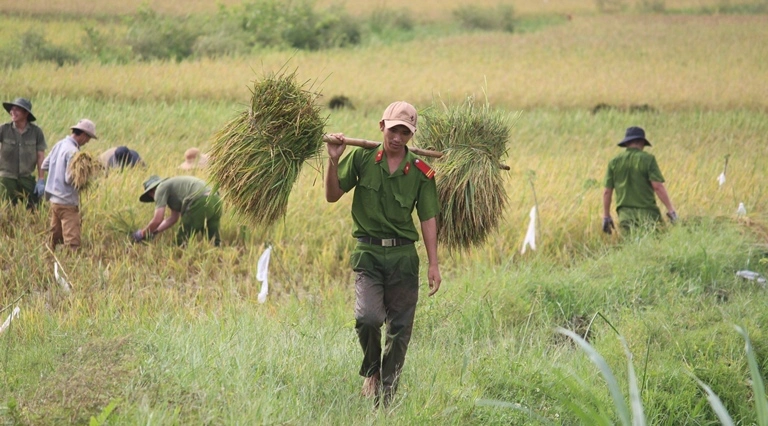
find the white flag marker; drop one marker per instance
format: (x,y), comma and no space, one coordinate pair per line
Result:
(60,279)
(741,211)
(10,318)
(530,236)
(721,179)
(261,274)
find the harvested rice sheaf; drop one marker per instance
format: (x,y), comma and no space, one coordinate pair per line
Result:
(256,158)
(83,168)
(469,179)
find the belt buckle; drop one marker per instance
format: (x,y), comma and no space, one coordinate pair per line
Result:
(388,242)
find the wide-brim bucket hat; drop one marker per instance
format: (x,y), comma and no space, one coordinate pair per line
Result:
(150,184)
(87,127)
(633,134)
(22,103)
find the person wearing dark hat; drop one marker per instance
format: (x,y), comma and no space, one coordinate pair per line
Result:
(389,183)
(188,198)
(62,195)
(122,157)
(636,177)
(22,150)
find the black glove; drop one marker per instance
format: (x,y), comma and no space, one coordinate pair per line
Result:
(608,225)
(672,216)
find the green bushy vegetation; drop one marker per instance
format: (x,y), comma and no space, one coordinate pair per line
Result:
(32,46)
(500,18)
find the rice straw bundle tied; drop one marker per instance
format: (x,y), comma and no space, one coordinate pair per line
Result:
(469,178)
(257,157)
(83,169)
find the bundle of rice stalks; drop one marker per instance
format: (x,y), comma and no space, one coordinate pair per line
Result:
(83,169)
(473,139)
(123,222)
(257,156)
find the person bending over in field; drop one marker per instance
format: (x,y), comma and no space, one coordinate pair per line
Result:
(194,159)
(120,157)
(63,196)
(389,183)
(22,149)
(636,177)
(188,198)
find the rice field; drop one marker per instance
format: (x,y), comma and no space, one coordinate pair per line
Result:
(153,333)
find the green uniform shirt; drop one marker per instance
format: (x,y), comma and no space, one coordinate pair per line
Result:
(18,151)
(178,192)
(630,174)
(383,204)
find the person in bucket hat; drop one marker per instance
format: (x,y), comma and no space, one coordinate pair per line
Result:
(636,178)
(189,199)
(63,196)
(22,150)
(389,182)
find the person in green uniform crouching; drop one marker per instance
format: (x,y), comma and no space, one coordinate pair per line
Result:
(389,183)
(188,198)
(636,177)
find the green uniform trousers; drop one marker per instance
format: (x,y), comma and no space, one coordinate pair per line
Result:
(636,219)
(386,291)
(15,190)
(204,216)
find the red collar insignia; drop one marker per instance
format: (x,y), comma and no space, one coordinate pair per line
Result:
(407,168)
(424,167)
(379,156)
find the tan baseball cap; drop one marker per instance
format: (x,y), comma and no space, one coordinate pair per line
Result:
(86,126)
(400,112)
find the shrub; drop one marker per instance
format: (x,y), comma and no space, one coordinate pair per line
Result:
(652,6)
(500,18)
(610,6)
(151,36)
(34,47)
(725,7)
(101,47)
(383,20)
(310,30)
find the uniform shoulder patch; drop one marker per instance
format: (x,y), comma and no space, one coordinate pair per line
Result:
(428,171)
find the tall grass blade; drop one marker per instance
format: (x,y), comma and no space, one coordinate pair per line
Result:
(613,385)
(716,404)
(584,407)
(635,400)
(758,386)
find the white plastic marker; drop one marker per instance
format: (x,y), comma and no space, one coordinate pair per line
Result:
(721,178)
(752,276)
(59,279)
(261,274)
(741,211)
(530,236)
(10,318)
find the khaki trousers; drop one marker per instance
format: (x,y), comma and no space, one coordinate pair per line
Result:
(65,225)
(386,293)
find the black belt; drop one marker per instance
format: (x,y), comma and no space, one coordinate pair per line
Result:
(386,242)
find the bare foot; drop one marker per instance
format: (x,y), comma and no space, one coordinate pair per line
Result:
(371,386)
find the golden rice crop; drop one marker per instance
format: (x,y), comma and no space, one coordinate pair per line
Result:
(469,176)
(258,155)
(83,168)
